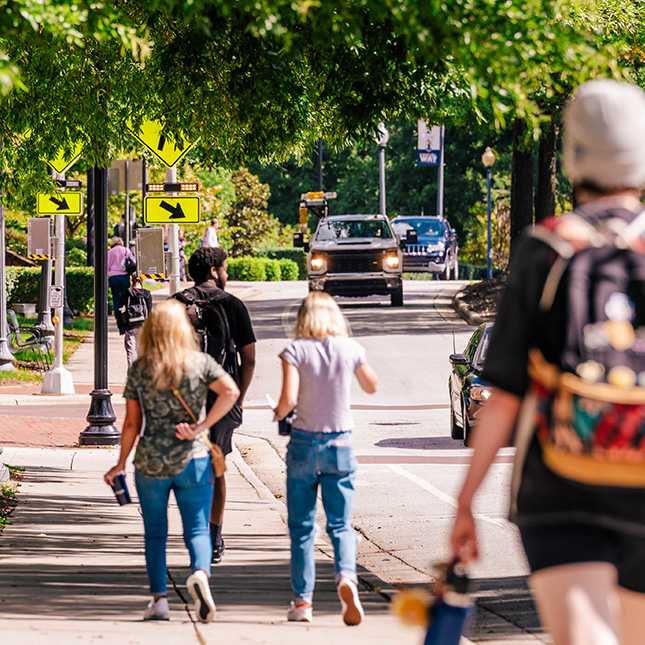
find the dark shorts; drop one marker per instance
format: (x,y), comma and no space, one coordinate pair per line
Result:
(559,544)
(222,432)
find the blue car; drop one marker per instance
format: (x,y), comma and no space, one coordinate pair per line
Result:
(435,250)
(468,392)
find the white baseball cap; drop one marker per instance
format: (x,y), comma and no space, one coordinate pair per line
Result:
(604,135)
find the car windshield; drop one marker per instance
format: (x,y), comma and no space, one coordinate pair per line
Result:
(345,229)
(422,225)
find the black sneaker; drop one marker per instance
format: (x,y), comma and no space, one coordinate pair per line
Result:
(218,553)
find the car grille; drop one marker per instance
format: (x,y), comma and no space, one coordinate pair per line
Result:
(416,249)
(351,262)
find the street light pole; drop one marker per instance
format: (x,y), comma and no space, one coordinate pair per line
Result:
(101,430)
(382,143)
(488,159)
(6,359)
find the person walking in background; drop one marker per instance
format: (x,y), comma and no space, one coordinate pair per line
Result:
(317,373)
(171,453)
(207,267)
(118,274)
(567,365)
(133,309)
(210,236)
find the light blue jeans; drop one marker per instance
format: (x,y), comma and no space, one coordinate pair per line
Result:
(324,459)
(193,488)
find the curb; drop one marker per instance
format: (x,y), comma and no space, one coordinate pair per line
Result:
(471,317)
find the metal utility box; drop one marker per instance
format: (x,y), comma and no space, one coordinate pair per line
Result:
(39,238)
(150,253)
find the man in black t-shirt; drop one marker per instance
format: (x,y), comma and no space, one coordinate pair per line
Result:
(207,267)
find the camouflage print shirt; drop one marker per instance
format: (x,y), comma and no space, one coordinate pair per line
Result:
(159,453)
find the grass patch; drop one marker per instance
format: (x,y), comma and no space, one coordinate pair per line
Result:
(421,275)
(14,469)
(27,362)
(8,490)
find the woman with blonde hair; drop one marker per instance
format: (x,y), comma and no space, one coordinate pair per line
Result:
(170,377)
(317,374)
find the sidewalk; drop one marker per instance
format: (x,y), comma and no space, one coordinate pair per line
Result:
(72,562)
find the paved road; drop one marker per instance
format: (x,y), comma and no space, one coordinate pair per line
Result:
(410,468)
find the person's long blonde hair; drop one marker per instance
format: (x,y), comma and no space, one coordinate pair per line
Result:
(167,344)
(319,316)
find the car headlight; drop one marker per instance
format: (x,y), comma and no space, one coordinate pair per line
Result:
(435,247)
(480,392)
(317,262)
(392,261)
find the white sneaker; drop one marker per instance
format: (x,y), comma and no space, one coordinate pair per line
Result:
(352,610)
(302,613)
(200,590)
(157,609)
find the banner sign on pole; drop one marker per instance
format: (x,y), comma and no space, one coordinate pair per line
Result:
(429,144)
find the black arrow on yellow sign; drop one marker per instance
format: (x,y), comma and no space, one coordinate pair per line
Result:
(176,212)
(162,142)
(61,203)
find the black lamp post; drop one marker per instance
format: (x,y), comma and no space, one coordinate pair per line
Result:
(101,417)
(488,159)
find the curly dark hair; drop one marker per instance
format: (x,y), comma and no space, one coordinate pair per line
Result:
(202,260)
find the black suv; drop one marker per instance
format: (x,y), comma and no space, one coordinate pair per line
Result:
(435,250)
(355,255)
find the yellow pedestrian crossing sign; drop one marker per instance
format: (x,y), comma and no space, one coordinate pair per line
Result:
(171,210)
(162,145)
(62,162)
(68,203)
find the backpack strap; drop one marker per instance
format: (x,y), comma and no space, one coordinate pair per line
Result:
(571,233)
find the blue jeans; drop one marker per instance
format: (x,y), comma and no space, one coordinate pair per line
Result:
(193,488)
(119,284)
(324,459)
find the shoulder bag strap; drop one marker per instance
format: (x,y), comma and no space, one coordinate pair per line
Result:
(217,456)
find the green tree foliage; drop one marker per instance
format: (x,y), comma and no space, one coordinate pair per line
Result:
(248,221)
(262,80)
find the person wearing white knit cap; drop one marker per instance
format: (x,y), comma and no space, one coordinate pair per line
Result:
(580,512)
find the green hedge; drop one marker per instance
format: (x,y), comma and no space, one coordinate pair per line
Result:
(474,272)
(23,285)
(289,269)
(295,255)
(261,269)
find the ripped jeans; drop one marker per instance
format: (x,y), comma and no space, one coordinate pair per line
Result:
(324,459)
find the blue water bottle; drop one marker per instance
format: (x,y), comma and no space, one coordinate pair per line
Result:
(451,612)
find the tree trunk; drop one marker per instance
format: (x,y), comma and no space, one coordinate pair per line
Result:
(521,183)
(545,206)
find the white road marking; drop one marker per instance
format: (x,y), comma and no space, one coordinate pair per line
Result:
(444,497)
(288,321)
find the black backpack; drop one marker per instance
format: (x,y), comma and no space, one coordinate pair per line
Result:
(208,316)
(590,412)
(135,309)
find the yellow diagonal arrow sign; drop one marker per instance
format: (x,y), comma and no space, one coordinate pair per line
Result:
(163,146)
(171,210)
(63,162)
(69,203)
